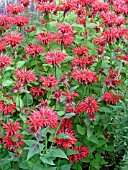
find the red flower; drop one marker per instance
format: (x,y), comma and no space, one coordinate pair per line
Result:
(2,46)
(7,108)
(82,61)
(65,142)
(11,128)
(13,139)
(46,7)
(82,152)
(70,95)
(84,76)
(37,91)
(66,128)
(45,37)
(90,106)
(111,98)
(80,51)
(55,57)
(113,79)
(49,81)
(42,118)
(20,21)
(25,76)
(33,49)
(4,61)
(13,39)
(15,9)
(58,94)
(3,20)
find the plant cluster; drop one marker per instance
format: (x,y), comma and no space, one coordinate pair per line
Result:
(64,85)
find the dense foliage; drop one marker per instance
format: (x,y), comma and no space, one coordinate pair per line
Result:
(64,85)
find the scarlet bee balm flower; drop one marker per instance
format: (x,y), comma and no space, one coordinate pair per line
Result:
(13,39)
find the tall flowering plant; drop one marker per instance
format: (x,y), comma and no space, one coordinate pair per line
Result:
(63,85)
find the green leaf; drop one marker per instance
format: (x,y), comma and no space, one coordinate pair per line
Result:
(64,136)
(98,157)
(56,152)
(28,99)
(20,64)
(46,160)
(61,113)
(69,115)
(30,142)
(66,167)
(71,152)
(32,151)
(7,83)
(80,129)
(95,164)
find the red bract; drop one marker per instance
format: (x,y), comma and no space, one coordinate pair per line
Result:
(83,151)
(15,9)
(111,98)
(20,21)
(90,106)
(84,76)
(13,39)
(33,49)
(2,46)
(113,78)
(55,57)
(48,81)
(25,76)
(42,118)
(4,61)
(37,91)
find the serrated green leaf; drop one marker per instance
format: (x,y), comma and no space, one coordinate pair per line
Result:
(32,151)
(80,129)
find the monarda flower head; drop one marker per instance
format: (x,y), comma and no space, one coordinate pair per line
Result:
(111,97)
(25,76)
(80,50)
(37,91)
(113,78)
(90,106)
(13,39)
(33,49)
(48,81)
(7,107)
(84,76)
(4,61)
(20,21)
(46,7)
(83,152)
(42,118)
(13,139)
(15,9)
(55,57)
